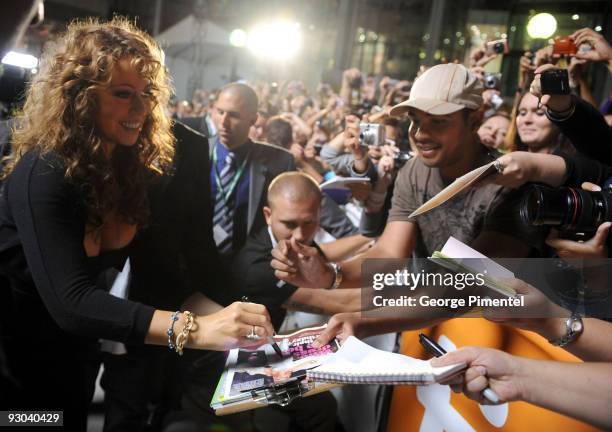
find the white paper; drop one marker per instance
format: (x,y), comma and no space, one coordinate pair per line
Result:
(119,289)
(459,251)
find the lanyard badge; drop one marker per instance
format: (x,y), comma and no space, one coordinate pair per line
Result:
(226,194)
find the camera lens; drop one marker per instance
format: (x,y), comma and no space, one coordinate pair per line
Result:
(544,206)
(368,138)
(569,209)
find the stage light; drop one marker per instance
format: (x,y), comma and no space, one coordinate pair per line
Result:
(541,26)
(238,38)
(278,40)
(25,61)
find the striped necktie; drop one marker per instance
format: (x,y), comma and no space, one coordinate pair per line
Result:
(224,211)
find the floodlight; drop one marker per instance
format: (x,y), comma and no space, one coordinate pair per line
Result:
(25,61)
(278,40)
(541,26)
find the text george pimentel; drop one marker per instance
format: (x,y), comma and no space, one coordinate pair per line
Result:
(459,281)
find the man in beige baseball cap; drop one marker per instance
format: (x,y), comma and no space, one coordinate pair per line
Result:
(444,110)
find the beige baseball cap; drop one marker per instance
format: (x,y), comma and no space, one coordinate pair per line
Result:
(443,89)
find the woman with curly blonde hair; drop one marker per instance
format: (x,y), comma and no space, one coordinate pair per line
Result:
(91,148)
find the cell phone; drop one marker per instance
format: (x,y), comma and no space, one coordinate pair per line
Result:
(499,46)
(555,82)
(564,46)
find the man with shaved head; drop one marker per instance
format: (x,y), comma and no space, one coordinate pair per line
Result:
(292,215)
(297,198)
(241,169)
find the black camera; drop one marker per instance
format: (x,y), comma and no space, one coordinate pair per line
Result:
(492,81)
(401,158)
(571,210)
(555,82)
(499,46)
(356,83)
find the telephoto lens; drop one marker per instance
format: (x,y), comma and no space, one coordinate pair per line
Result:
(568,209)
(577,213)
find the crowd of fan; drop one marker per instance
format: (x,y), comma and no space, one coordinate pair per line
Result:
(315,126)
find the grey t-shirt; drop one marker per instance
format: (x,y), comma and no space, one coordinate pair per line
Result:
(475,209)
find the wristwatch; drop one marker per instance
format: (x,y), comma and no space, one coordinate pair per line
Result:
(573,328)
(337,275)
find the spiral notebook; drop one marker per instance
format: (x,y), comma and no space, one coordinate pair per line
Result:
(358,363)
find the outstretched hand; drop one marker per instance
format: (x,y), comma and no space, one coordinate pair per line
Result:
(340,326)
(595,247)
(486,367)
(539,314)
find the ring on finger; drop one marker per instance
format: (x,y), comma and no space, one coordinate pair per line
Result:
(253,334)
(498,166)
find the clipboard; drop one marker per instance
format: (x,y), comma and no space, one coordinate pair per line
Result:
(282,395)
(258,377)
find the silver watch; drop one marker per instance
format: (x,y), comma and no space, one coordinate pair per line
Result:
(573,328)
(337,275)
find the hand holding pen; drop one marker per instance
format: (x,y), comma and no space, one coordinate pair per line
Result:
(479,375)
(253,335)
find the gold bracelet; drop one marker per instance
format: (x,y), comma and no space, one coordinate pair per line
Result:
(183,335)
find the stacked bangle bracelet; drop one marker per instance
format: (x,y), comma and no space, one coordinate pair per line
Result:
(180,340)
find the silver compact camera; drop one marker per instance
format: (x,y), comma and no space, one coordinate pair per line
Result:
(371,134)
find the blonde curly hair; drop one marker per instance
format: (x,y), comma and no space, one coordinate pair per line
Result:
(58,117)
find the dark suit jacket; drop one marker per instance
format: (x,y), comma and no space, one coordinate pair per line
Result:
(255,278)
(176,254)
(267,161)
(198,124)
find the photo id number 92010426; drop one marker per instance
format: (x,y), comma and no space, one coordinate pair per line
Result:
(31,418)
